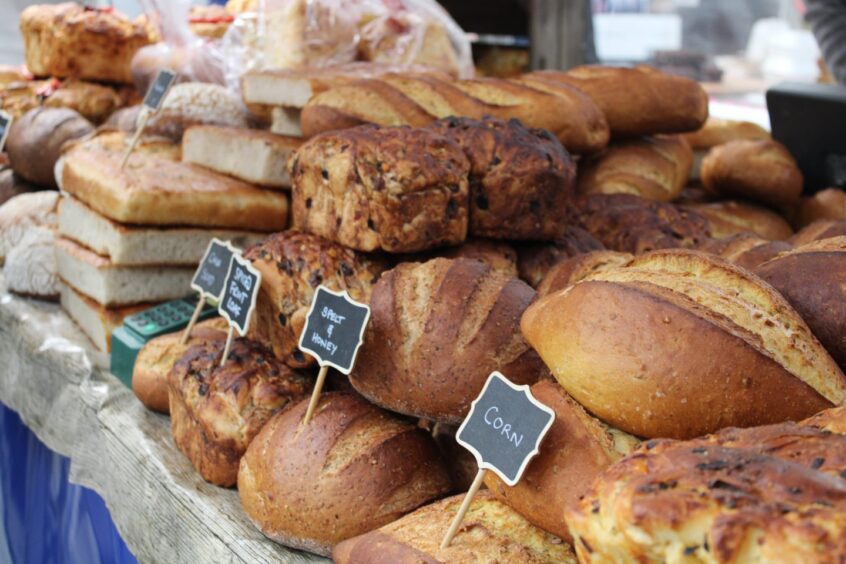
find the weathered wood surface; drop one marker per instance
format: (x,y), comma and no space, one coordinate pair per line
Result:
(63,392)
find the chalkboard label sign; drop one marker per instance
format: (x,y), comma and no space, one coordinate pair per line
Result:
(334,329)
(5,126)
(159,89)
(239,295)
(211,275)
(505,427)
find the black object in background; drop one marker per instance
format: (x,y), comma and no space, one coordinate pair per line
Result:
(334,329)
(159,89)
(5,126)
(810,120)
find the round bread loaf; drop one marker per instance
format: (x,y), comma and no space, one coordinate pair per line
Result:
(762,171)
(23,212)
(813,279)
(729,217)
(680,343)
(352,469)
(196,103)
(35,142)
(436,332)
(746,250)
(827,204)
(30,268)
(535,259)
(822,229)
(571,270)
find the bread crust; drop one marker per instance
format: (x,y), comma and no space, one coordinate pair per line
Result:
(730,217)
(717,131)
(822,229)
(828,204)
(535,259)
(577,268)
(746,250)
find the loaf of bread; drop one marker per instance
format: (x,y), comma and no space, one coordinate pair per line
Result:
(655,168)
(631,224)
(812,278)
(417,100)
(535,259)
(293,265)
(827,204)
(436,332)
(575,450)
(154,189)
(680,343)
(491,532)
(352,469)
(95,102)
(822,229)
(761,171)
(215,411)
(22,213)
(746,250)
(718,131)
(69,40)
(397,189)
(766,494)
(641,100)
(36,139)
(159,355)
(521,180)
(30,267)
(729,217)
(499,255)
(196,103)
(572,270)
(10,74)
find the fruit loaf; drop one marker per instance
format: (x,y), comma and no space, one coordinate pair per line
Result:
(352,469)
(215,411)
(680,343)
(436,332)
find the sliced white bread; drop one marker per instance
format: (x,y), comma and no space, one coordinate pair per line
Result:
(286,121)
(96,321)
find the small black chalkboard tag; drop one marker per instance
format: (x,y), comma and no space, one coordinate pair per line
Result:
(159,89)
(211,274)
(334,329)
(5,126)
(239,295)
(505,427)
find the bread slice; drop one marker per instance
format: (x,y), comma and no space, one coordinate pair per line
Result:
(286,121)
(109,284)
(250,155)
(155,190)
(96,321)
(128,245)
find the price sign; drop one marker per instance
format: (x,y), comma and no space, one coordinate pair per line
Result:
(239,298)
(5,126)
(211,274)
(159,89)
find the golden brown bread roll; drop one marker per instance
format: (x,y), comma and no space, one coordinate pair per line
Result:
(762,171)
(391,188)
(491,532)
(521,180)
(729,217)
(352,469)
(535,259)
(827,204)
(655,168)
(293,265)
(95,102)
(822,229)
(746,250)
(680,343)
(157,357)
(436,332)
(813,279)
(718,131)
(575,450)
(571,270)
(641,100)
(215,411)
(765,494)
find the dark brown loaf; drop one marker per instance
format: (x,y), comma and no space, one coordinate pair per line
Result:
(641,100)
(368,188)
(813,279)
(822,229)
(729,217)
(352,469)
(436,332)
(575,450)
(35,142)
(746,250)
(521,180)
(215,411)
(293,265)
(571,270)
(682,343)
(535,259)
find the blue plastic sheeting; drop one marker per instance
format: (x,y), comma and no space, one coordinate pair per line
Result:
(44,518)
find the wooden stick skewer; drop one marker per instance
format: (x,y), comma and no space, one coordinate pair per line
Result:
(465,505)
(228,345)
(187,334)
(315,394)
(145,116)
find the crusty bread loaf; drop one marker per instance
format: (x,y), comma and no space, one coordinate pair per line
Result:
(352,469)
(641,100)
(69,40)
(491,532)
(95,102)
(215,411)
(535,259)
(96,321)
(196,103)
(436,332)
(746,250)
(766,494)
(23,212)
(729,217)
(293,265)
(827,204)
(822,229)
(154,189)
(572,270)
(576,449)
(521,180)
(762,171)
(681,343)
(813,279)
(157,357)
(655,168)
(36,139)
(391,188)
(499,255)
(718,131)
